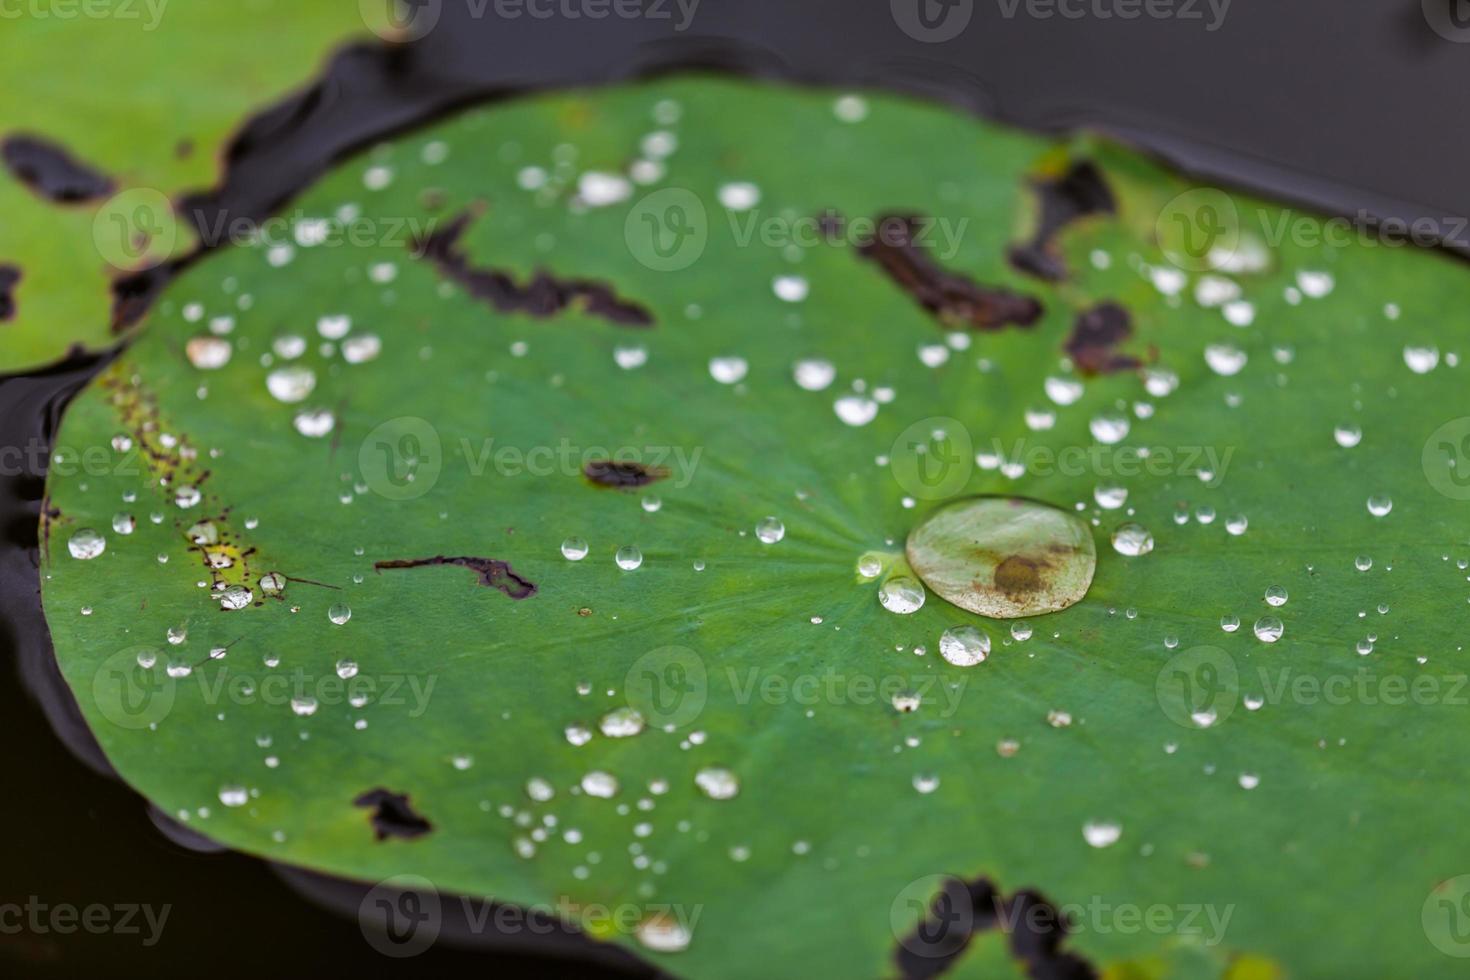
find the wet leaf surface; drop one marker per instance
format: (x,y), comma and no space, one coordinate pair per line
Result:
(704,712)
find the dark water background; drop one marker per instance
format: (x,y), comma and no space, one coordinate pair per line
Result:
(1351,107)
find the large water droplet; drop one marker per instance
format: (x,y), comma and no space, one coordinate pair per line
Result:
(770,530)
(1004,557)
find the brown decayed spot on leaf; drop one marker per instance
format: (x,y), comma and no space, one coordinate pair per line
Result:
(1077,193)
(1097,332)
(544,296)
(9,279)
(955,300)
(622,473)
(393,815)
(492,572)
(51,172)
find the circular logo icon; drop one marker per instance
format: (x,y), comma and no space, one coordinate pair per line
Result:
(1198,688)
(932,21)
(400,20)
(932,916)
(668,686)
(1199,230)
(933,458)
(667,230)
(135,229)
(400,916)
(1450,19)
(1446,916)
(1446,458)
(402,458)
(130,695)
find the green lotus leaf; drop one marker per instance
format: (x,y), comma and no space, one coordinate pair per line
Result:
(534,545)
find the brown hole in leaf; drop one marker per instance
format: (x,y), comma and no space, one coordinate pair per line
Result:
(962,910)
(9,278)
(492,572)
(1079,192)
(51,172)
(899,247)
(1095,336)
(544,296)
(392,815)
(622,473)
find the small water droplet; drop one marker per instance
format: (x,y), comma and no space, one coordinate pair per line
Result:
(1276,596)
(1132,540)
(86,544)
(621,723)
(1268,629)
(1347,435)
(964,646)
(1379,505)
(574,549)
(628,558)
(339,613)
(1421,360)
(600,784)
(926,782)
(770,530)
(728,370)
(1101,833)
(901,595)
(717,783)
(814,374)
(233,795)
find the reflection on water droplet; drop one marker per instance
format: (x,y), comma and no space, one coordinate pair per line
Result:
(339,613)
(233,795)
(855,410)
(1132,540)
(273,583)
(1379,505)
(86,544)
(630,356)
(870,565)
(814,374)
(1109,427)
(1347,435)
(906,702)
(361,348)
(792,289)
(208,353)
(662,933)
(728,370)
(1276,596)
(926,782)
(314,423)
(346,669)
(1063,391)
(1230,623)
(628,558)
(1421,360)
(901,595)
(1225,359)
(770,530)
(236,597)
(717,783)
(291,384)
(1236,524)
(1268,629)
(1110,497)
(574,549)
(578,734)
(1020,632)
(1249,780)
(303,706)
(964,646)
(600,784)
(621,723)
(1100,833)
